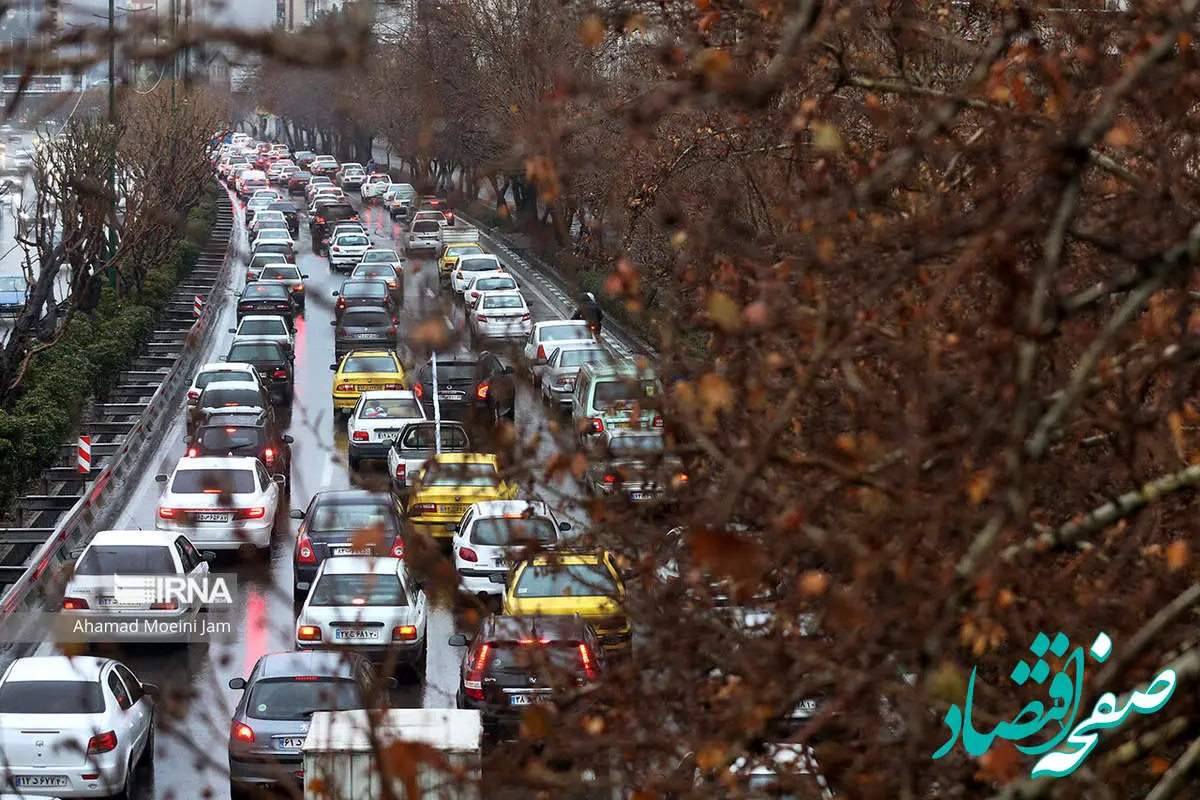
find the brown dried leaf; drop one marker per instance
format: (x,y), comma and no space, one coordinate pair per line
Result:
(591,32)
(947,683)
(370,536)
(1157,765)
(826,137)
(1178,555)
(536,722)
(814,583)
(715,395)
(1175,421)
(724,312)
(431,333)
(826,249)
(728,555)
(1120,135)
(981,484)
(579,464)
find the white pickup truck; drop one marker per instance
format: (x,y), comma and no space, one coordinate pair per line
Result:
(417,445)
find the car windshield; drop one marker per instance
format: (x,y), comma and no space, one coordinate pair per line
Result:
(217,396)
(268,234)
(610,393)
(577,358)
(51,697)
(493,284)
(221,376)
(504,531)
(213,481)
(359,318)
(280,273)
(229,437)
(351,240)
(262,259)
(334,516)
(461,475)
(12,284)
(108,559)
(376,256)
(365,289)
(358,590)
(514,658)
(564,333)
(297,698)
(255,351)
(266,291)
(503,301)
(262,327)
(390,408)
(632,444)
(263,217)
(566,580)
(479,265)
(360,364)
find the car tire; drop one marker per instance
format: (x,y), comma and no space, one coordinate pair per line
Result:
(354,461)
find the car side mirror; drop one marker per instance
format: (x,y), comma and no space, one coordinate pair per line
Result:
(452,527)
(507,371)
(160,477)
(222,358)
(564,526)
(333,324)
(280,479)
(187,440)
(208,556)
(233,330)
(237,683)
(499,578)
(335,294)
(296,513)
(287,437)
(305,277)
(458,640)
(151,689)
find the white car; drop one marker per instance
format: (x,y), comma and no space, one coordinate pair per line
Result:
(264,328)
(270,194)
(365,605)
(377,421)
(259,261)
(274,236)
(546,336)
(423,235)
(381,255)
(492,534)
(74,726)
(346,249)
(376,186)
(429,214)
(500,316)
(471,264)
(220,503)
(221,372)
(90,594)
(481,282)
(400,199)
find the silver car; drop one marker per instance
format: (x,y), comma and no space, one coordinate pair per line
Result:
(365,605)
(561,367)
(264,328)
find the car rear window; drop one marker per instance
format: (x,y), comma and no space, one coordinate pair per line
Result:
(359,364)
(503,301)
(213,481)
(343,211)
(358,590)
(280,273)
(460,475)
(452,372)
(218,396)
(221,376)
(267,291)
(256,351)
(365,289)
(563,333)
(230,437)
(611,392)
(141,559)
(372,256)
(479,265)
(372,270)
(298,697)
(390,408)
(422,436)
(367,319)
(493,284)
(505,531)
(351,240)
(513,658)
(262,327)
(426,226)
(458,250)
(262,259)
(335,516)
(636,444)
(577,358)
(566,580)
(51,697)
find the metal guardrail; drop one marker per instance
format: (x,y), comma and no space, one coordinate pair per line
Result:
(96,504)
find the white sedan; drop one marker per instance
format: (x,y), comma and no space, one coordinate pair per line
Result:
(220,503)
(221,372)
(546,336)
(500,316)
(487,282)
(377,422)
(469,264)
(274,236)
(74,726)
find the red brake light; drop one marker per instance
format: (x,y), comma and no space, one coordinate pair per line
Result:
(392,330)
(102,743)
(467,554)
(658,422)
(541,353)
(257,512)
(585,658)
(191,453)
(309,633)
(526,317)
(269,456)
(419,391)
(170,605)
(279,373)
(404,633)
(74,604)
(306,678)
(243,732)
(482,392)
(401,471)
(166,513)
(320,220)
(473,683)
(391,284)
(304,551)
(344,387)
(193,395)
(610,478)
(398,547)
(482,318)
(361,436)
(597,425)
(423,508)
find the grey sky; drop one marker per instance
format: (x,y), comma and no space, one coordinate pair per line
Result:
(240,13)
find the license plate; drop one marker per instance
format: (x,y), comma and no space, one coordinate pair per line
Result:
(451,395)
(641,495)
(527,699)
(451,509)
(808,706)
(361,387)
(388,436)
(290,743)
(352,551)
(209,516)
(504,562)
(38,781)
(364,336)
(355,634)
(628,423)
(111,602)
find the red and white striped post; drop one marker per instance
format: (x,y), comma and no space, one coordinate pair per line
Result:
(85,454)
(197,306)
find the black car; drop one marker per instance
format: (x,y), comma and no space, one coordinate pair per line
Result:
(364,327)
(230,394)
(383,272)
(474,387)
(325,217)
(297,181)
(512,663)
(244,433)
(273,361)
(330,524)
(267,298)
(282,248)
(356,292)
(290,213)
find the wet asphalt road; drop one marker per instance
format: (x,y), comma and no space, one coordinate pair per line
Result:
(190,759)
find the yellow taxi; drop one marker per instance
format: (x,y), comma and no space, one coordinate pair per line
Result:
(448,485)
(450,255)
(584,583)
(362,371)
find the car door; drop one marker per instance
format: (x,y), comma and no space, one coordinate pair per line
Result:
(462,532)
(134,714)
(188,566)
(143,706)
(500,378)
(269,489)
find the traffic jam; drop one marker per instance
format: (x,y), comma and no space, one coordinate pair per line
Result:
(332,438)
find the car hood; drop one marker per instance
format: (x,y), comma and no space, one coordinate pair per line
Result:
(474,494)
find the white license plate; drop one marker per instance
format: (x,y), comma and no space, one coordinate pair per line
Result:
(40,781)
(352,551)
(451,395)
(504,562)
(641,495)
(527,699)
(388,436)
(364,336)
(290,743)
(356,634)
(209,516)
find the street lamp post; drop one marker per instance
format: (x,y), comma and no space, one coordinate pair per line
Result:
(110,249)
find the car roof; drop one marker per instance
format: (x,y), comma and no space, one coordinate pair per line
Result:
(238,415)
(465,458)
(559,323)
(227,366)
(498,508)
(308,662)
(189,464)
(362,565)
(389,394)
(223,385)
(504,293)
(262,317)
(151,538)
(259,287)
(57,668)
(370,352)
(550,626)
(353,497)
(623,368)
